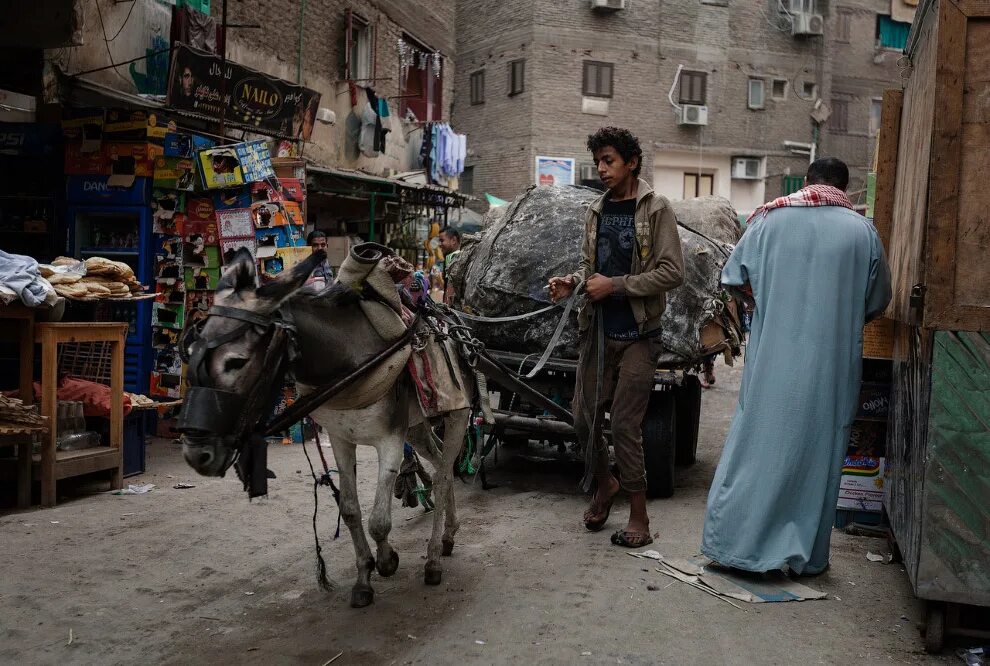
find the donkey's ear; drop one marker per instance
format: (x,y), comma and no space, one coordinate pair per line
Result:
(239,272)
(273,293)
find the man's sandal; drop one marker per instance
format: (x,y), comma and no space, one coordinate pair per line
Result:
(628,539)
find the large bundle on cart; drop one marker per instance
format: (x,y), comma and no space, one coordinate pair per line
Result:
(539,236)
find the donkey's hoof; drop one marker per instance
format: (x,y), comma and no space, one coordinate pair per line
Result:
(361,596)
(432,575)
(447,547)
(388,567)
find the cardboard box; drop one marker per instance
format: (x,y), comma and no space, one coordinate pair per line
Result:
(861,486)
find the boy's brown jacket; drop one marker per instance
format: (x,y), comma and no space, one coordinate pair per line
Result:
(657,263)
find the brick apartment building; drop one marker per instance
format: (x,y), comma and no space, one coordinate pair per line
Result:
(330,46)
(721,93)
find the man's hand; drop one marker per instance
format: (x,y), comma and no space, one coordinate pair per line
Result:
(598,287)
(561,287)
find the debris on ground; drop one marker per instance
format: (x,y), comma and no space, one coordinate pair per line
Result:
(183,486)
(873,557)
(134,489)
(975,656)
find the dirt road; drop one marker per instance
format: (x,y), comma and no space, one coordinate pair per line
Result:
(202,576)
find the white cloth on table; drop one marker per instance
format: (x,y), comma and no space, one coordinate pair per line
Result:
(20,274)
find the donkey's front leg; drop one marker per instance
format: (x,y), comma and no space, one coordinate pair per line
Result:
(389,461)
(455,425)
(345,454)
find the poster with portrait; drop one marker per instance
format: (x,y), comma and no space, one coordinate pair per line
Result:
(198,304)
(230,246)
(168,315)
(220,168)
(269,214)
(253,100)
(175,173)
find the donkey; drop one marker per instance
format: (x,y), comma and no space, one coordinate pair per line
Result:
(235,354)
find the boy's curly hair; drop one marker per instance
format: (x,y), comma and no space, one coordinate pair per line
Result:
(622,140)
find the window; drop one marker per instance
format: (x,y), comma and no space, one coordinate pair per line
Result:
(478,87)
(421,79)
(693,87)
(360,63)
(466,181)
(757,92)
(779,89)
(809,90)
(843,19)
(517,77)
(891,34)
(698,185)
(839,120)
(876,113)
(597,80)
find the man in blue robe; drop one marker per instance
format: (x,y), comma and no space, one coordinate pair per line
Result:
(817,273)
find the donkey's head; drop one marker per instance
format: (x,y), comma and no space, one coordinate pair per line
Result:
(235,355)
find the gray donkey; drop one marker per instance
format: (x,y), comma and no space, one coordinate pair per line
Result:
(236,357)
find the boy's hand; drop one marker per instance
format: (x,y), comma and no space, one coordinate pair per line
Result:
(598,287)
(561,287)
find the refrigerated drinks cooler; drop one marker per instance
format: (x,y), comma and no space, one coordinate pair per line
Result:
(116,223)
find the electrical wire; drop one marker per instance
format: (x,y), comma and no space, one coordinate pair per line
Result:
(106,42)
(126,19)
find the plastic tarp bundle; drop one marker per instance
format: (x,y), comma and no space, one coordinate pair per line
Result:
(539,236)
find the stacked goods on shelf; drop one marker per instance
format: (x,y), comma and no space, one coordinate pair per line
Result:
(14,414)
(97,278)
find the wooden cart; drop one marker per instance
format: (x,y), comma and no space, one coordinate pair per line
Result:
(934,174)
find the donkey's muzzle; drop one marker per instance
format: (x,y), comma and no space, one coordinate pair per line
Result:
(209,411)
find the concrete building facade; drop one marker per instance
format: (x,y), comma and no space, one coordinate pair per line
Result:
(759,91)
(305,42)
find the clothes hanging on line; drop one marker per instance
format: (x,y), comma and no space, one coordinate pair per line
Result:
(442,153)
(374,128)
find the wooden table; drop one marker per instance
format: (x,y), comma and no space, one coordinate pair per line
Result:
(56,464)
(21,319)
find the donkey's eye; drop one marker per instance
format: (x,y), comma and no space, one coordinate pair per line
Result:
(232,364)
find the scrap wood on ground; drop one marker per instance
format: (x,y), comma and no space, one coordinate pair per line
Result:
(728,584)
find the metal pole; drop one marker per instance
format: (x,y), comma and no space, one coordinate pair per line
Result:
(371,225)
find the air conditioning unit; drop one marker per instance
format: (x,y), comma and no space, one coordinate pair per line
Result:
(746,168)
(589,172)
(692,114)
(608,5)
(807,24)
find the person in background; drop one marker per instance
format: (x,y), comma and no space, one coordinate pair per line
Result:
(815,271)
(630,258)
(323,274)
(450,243)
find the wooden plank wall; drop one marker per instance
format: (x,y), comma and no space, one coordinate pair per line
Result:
(954,563)
(907,436)
(907,237)
(970,227)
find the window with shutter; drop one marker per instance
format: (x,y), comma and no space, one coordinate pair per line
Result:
(693,87)
(517,77)
(597,79)
(839,120)
(478,87)
(757,93)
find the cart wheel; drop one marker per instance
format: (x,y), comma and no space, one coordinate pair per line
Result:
(935,627)
(688,405)
(659,444)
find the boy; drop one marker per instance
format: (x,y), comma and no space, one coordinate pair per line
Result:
(630,258)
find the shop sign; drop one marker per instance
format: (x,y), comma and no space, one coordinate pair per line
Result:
(554,170)
(267,104)
(29,139)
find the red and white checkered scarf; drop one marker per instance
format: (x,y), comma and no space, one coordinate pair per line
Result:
(810,195)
